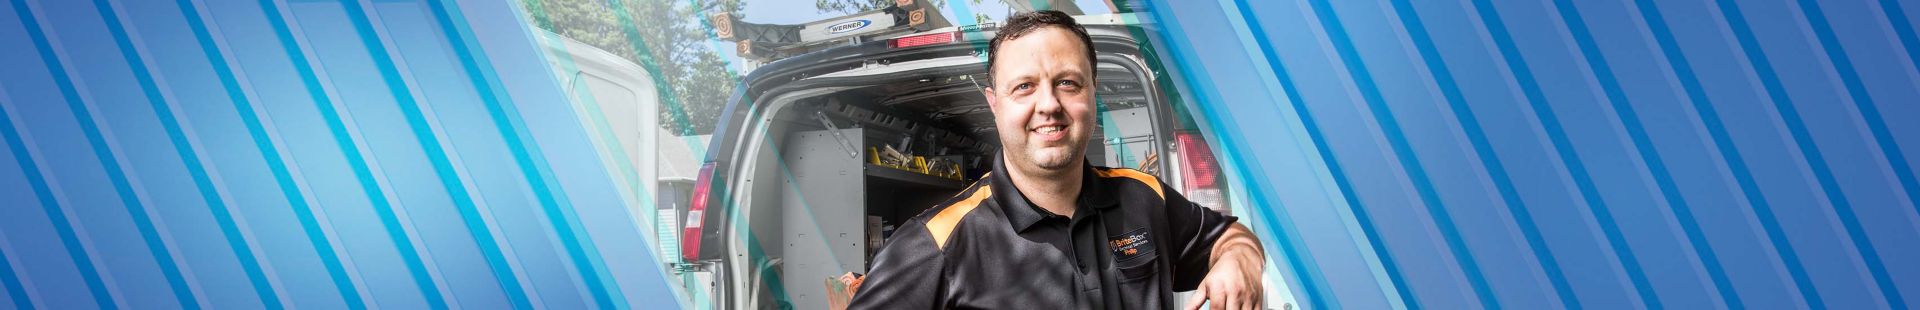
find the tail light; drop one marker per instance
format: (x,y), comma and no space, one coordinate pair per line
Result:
(1201,172)
(925,39)
(696,214)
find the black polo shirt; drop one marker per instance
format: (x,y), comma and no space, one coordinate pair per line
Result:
(1131,243)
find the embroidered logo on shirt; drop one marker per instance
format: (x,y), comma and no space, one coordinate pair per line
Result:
(1132,244)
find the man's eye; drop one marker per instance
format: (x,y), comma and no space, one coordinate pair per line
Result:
(1023,86)
(1069,83)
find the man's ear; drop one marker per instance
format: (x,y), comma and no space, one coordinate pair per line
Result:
(993,102)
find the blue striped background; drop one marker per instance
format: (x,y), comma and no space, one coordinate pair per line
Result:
(1395,153)
(1686,154)
(292,153)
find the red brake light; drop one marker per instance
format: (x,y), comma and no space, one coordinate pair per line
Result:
(696,214)
(1201,170)
(1201,173)
(925,39)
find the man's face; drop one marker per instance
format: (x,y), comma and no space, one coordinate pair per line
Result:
(1042,100)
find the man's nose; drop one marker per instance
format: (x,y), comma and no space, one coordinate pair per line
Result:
(1049,103)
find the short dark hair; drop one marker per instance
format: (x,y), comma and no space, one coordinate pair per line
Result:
(1024,23)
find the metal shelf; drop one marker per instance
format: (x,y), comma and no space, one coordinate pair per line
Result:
(910,177)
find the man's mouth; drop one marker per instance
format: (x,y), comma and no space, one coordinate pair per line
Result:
(1050,132)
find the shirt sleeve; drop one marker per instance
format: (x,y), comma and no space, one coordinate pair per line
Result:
(908,273)
(1194,228)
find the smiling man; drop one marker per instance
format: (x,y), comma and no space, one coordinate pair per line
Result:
(1047,230)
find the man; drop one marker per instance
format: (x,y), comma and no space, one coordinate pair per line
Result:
(1047,230)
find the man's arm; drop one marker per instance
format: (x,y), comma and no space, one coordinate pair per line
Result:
(1233,275)
(1221,260)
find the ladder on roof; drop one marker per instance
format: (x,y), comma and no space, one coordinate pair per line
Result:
(768,42)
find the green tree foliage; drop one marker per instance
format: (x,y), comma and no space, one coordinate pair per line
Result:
(674,43)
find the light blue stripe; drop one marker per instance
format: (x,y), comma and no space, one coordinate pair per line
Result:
(1558,137)
(8,279)
(430,144)
(170,124)
(1489,160)
(1610,85)
(579,244)
(1717,132)
(1410,164)
(224,215)
(1903,29)
(1848,219)
(306,213)
(1318,290)
(115,176)
(1777,93)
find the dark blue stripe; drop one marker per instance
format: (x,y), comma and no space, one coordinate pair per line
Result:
(1877,123)
(306,213)
(9,280)
(1871,115)
(223,215)
(1457,102)
(1543,111)
(81,262)
(442,166)
(1404,152)
(579,244)
(115,176)
(169,123)
(1662,178)
(1269,51)
(1778,94)
(1717,132)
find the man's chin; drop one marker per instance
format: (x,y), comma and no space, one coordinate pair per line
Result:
(1051,160)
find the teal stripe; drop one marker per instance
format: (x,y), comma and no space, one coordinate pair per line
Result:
(306,213)
(1319,292)
(170,124)
(533,165)
(224,215)
(1316,291)
(436,153)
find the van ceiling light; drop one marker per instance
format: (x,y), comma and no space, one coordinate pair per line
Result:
(925,39)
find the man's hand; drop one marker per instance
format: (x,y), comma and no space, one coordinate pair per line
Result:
(1233,278)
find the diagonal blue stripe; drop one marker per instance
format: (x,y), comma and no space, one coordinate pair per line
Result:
(1871,115)
(306,213)
(1557,136)
(224,215)
(89,274)
(442,166)
(1396,139)
(8,279)
(1722,141)
(1663,179)
(170,123)
(579,245)
(89,129)
(1489,160)
(1317,288)
(1763,70)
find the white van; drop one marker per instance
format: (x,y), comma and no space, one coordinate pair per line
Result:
(798,186)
